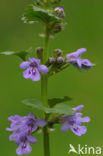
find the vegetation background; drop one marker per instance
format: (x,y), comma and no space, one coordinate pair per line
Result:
(84,29)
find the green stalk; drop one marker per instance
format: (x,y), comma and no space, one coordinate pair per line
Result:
(44,95)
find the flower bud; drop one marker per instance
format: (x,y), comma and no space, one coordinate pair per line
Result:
(51,60)
(58,27)
(60,59)
(59,12)
(58,52)
(39,52)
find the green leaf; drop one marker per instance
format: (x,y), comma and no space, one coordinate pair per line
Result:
(54,101)
(34,14)
(22,54)
(34,103)
(61,108)
(58,109)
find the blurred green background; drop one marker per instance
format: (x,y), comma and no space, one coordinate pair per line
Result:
(84,29)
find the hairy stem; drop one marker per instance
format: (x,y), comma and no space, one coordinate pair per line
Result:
(44,95)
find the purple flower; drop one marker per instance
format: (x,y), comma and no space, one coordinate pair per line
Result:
(24,146)
(16,122)
(23,128)
(33,69)
(31,124)
(74,122)
(74,58)
(25,124)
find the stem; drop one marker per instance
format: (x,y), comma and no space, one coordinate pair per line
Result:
(46,44)
(44,81)
(44,95)
(46,142)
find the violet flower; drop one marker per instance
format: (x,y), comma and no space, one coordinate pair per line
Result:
(23,128)
(27,124)
(31,124)
(74,122)
(74,58)
(24,146)
(33,69)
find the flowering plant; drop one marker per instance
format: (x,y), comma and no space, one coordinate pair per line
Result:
(54,111)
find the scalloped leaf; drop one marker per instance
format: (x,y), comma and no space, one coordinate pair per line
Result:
(34,103)
(61,108)
(58,109)
(22,54)
(52,102)
(34,14)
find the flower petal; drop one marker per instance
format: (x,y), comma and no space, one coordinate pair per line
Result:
(23,149)
(43,69)
(31,115)
(9,129)
(19,150)
(79,130)
(78,114)
(78,108)
(27,73)
(14,137)
(72,57)
(13,118)
(34,60)
(41,122)
(32,139)
(24,65)
(65,127)
(86,62)
(35,76)
(81,51)
(79,63)
(85,119)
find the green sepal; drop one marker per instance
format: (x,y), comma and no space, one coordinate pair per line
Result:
(22,54)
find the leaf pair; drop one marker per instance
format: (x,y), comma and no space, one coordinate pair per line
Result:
(59,108)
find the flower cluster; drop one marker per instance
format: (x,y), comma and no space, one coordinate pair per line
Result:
(23,128)
(33,69)
(57,58)
(58,62)
(74,122)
